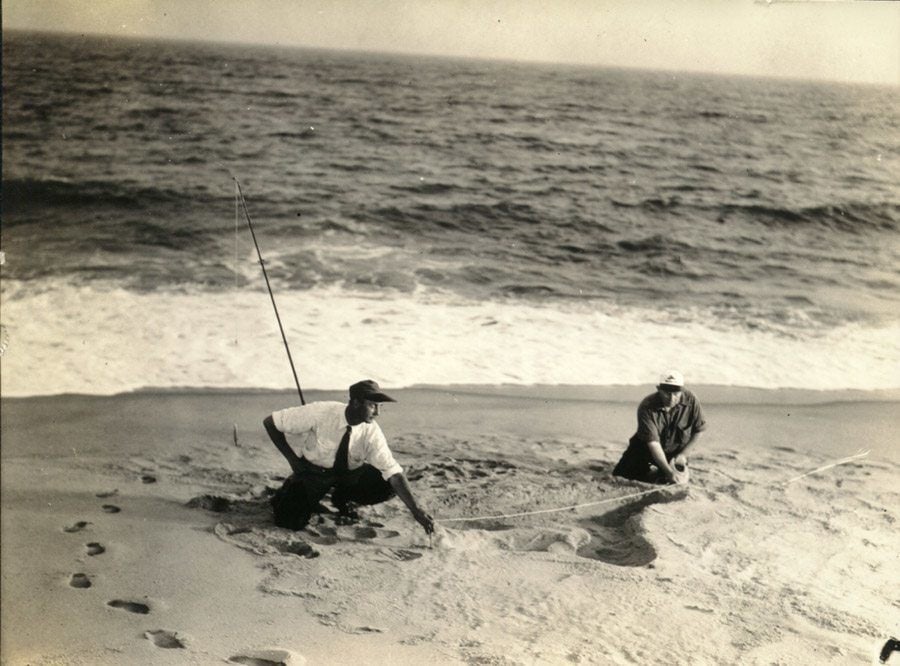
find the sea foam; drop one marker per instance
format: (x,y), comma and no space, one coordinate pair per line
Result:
(83,340)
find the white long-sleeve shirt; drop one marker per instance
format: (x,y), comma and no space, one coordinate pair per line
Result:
(324,424)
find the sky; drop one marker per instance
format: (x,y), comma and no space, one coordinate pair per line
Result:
(830,40)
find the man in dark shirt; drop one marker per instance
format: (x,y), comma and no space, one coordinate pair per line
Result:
(669,424)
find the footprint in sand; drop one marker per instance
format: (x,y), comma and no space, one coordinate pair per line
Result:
(213,503)
(108,493)
(700,609)
(164,639)
(365,629)
(148,478)
(111,508)
(268,658)
(130,606)
(94,548)
(298,548)
(323,536)
(77,527)
(80,581)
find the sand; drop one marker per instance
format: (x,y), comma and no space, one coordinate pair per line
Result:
(136,530)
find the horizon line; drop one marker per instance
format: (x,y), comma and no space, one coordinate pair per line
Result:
(449,56)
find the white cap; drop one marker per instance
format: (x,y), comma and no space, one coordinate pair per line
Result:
(672,378)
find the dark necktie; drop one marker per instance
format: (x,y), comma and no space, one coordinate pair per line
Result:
(341,460)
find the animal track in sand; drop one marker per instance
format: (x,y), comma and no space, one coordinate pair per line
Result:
(111,508)
(130,606)
(80,581)
(77,527)
(617,536)
(94,548)
(164,639)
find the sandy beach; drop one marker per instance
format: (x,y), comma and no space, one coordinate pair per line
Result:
(136,530)
(511,215)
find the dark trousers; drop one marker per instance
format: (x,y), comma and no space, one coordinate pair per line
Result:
(299,496)
(637,465)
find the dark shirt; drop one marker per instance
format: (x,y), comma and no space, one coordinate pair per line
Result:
(673,428)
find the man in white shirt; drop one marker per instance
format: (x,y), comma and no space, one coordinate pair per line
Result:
(344,451)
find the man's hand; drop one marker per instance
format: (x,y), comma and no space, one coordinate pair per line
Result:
(401,487)
(680,473)
(426,521)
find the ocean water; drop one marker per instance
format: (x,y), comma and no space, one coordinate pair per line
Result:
(437,221)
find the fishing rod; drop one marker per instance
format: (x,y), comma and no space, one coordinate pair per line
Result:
(262,265)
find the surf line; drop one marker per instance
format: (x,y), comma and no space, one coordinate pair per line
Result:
(242,203)
(856,456)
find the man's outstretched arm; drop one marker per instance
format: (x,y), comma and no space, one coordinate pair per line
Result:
(401,487)
(659,459)
(281,443)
